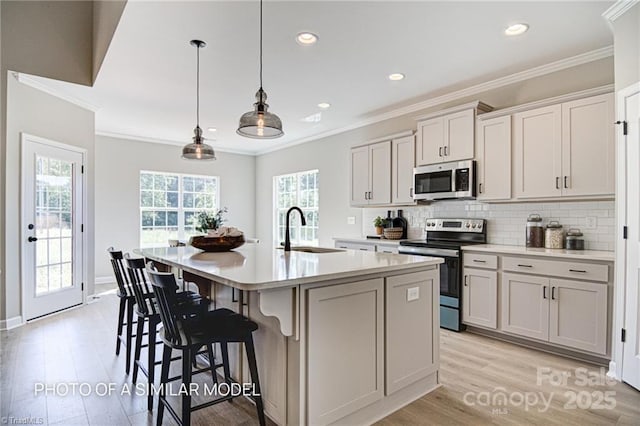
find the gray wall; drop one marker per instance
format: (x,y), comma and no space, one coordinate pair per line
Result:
(331,155)
(37,113)
(118,166)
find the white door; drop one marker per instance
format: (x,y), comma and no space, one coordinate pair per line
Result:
(52,246)
(629,110)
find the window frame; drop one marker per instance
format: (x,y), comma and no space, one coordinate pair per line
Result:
(182,228)
(298,226)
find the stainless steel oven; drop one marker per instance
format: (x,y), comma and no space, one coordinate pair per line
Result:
(444,239)
(445,181)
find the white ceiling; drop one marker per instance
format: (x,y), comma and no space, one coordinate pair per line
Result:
(146,87)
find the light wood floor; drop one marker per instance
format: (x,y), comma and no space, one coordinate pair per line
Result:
(77,346)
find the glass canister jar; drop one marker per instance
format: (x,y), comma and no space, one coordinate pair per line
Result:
(534,231)
(554,236)
(574,240)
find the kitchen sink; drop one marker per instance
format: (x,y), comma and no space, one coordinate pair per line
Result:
(310,249)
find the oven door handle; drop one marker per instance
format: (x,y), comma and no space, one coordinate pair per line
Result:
(428,251)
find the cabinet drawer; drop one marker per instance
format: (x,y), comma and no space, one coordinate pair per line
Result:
(386,248)
(477,260)
(355,246)
(559,268)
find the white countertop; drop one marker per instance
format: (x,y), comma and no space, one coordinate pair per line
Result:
(605,256)
(258,267)
(383,241)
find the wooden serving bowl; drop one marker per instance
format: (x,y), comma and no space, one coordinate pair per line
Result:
(216,244)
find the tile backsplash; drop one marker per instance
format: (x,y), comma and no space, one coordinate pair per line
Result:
(506,222)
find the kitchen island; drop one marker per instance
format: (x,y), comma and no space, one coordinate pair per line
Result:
(345,336)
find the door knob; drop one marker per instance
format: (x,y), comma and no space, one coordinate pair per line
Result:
(32,239)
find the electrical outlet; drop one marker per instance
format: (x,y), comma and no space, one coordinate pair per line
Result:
(351,220)
(413,293)
(591,222)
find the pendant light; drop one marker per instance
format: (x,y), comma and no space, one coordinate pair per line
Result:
(260,123)
(198,150)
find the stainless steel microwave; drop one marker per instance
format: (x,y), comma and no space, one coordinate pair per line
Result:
(455,180)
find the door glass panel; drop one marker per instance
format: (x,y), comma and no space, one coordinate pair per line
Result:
(54,224)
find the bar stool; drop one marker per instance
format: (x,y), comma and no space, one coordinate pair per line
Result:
(188,334)
(127,300)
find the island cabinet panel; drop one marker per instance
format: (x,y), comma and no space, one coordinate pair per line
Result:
(525,305)
(227,297)
(578,315)
(480,297)
(410,337)
(344,349)
(271,357)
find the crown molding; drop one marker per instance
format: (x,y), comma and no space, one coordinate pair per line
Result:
(618,9)
(33,83)
(538,71)
(609,88)
(480,107)
(124,136)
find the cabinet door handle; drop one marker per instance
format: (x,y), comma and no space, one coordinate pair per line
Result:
(553,293)
(525,266)
(544,291)
(411,192)
(565,182)
(370,195)
(363,249)
(479,261)
(445,151)
(480,188)
(466,282)
(578,270)
(557,182)
(440,151)
(365,196)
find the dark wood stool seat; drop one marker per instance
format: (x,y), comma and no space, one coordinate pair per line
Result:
(188,333)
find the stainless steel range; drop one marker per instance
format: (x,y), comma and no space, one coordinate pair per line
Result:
(444,239)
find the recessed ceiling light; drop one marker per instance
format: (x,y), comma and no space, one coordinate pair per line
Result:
(306,38)
(396,76)
(212,129)
(516,29)
(324,105)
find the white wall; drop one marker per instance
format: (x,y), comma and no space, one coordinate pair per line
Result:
(118,166)
(330,155)
(37,113)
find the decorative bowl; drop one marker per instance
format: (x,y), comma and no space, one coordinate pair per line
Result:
(393,233)
(216,244)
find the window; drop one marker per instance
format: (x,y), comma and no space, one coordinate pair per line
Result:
(168,202)
(297,189)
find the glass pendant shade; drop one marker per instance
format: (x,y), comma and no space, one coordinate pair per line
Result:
(260,123)
(198,150)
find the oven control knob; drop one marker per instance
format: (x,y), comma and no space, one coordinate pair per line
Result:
(468,225)
(473,226)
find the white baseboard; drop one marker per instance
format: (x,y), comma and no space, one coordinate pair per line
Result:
(612,371)
(11,323)
(104,280)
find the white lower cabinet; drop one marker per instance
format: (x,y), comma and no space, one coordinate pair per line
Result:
(480,297)
(345,370)
(578,315)
(525,305)
(565,312)
(410,354)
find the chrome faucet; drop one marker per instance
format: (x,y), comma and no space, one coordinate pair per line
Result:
(287,238)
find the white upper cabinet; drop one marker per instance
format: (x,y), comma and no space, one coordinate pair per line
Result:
(370,174)
(538,152)
(493,158)
(402,162)
(588,146)
(565,150)
(447,135)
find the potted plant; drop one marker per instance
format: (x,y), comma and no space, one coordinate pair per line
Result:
(379,223)
(208,220)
